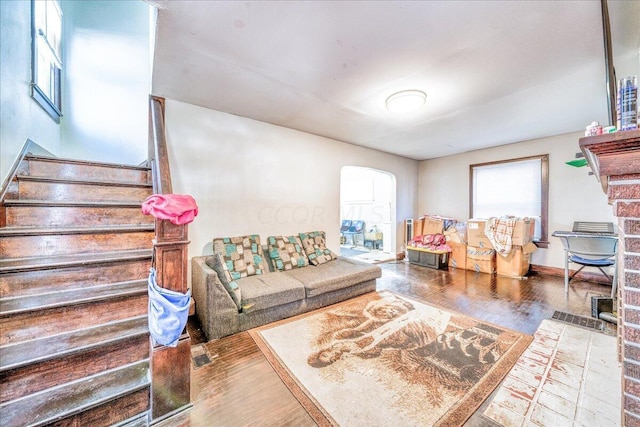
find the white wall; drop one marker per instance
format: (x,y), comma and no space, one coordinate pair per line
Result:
(106,81)
(253,177)
(107,61)
(20,116)
(573,193)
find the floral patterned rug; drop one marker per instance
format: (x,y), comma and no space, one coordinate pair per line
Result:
(383,359)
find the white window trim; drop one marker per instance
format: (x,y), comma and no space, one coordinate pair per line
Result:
(53,107)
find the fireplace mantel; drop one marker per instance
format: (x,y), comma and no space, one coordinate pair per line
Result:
(612,154)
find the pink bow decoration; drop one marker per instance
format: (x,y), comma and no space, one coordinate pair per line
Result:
(177,208)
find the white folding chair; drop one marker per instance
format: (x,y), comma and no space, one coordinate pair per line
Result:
(590,245)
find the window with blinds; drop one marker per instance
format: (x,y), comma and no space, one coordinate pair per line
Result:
(517,187)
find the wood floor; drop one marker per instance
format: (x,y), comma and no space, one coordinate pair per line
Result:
(238,387)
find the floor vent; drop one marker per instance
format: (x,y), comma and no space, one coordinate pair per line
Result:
(585,322)
(199,356)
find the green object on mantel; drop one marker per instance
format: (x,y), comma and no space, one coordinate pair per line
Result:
(577,163)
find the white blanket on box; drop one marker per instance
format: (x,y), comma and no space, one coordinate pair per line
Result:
(500,232)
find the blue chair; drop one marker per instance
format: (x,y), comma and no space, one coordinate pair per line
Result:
(590,244)
(346,223)
(356,228)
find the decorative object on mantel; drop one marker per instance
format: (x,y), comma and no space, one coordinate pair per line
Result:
(593,129)
(628,103)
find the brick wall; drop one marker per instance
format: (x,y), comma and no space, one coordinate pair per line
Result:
(624,193)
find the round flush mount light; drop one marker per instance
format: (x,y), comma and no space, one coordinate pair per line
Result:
(406,101)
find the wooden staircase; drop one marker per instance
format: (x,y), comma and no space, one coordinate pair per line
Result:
(75,252)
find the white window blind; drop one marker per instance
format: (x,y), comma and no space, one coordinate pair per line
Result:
(508,188)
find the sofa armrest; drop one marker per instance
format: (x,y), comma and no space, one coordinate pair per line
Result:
(215,308)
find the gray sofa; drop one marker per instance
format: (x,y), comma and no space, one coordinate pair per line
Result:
(275,295)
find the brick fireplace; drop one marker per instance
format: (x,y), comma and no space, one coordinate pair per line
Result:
(615,160)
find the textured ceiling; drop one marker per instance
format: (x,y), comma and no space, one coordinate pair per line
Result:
(494,72)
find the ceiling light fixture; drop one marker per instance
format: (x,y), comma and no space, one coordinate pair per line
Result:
(406,101)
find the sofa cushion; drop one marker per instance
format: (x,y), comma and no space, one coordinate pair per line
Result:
(285,252)
(269,290)
(334,275)
(315,247)
(242,255)
(217,264)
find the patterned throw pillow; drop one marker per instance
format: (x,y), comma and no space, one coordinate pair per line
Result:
(237,257)
(216,262)
(315,247)
(286,252)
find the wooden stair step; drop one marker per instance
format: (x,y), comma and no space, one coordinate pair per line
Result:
(140,420)
(24,304)
(96,182)
(78,260)
(16,355)
(33,213)
(23,242)
(53,231)
(57,403)
(23,283)
(55,371)
(84,170)
(42,188)
(25,326)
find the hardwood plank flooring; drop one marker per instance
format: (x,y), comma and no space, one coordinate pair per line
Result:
(238,387)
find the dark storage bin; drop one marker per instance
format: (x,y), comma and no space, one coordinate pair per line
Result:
(426,258)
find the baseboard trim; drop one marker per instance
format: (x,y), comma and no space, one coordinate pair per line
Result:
(559,272)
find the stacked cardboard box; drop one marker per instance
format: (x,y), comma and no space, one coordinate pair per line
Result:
(458,255)
(516,264)
(481,260)
(475,234)
(471,249)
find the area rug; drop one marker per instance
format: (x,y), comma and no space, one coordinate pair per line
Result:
(383,359)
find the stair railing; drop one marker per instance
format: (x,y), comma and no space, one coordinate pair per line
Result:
(170,366)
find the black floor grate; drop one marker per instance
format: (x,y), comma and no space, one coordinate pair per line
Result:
(199,356)
(585,322)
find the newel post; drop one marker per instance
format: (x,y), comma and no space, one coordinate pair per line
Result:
(171,366)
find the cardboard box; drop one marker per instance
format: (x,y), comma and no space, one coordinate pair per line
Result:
(481,260)
(432,225)
(516,264)
(458,255)
(523,231)
(372,236)
(418,225)
(457,233)
(475,234)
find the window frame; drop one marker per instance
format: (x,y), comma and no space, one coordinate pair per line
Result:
(543,242)
(53,107)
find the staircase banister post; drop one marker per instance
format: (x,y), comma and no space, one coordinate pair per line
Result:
(170,366)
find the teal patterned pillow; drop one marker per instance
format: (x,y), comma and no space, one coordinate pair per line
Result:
(217,263)
(315,247)
(286,252)
(237,257)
